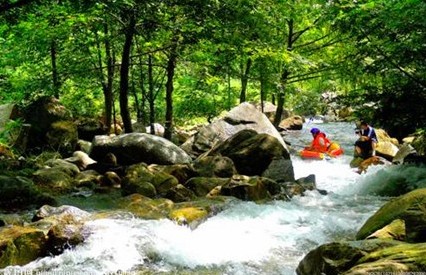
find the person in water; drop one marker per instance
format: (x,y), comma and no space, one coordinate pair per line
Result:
(320,143)
(365,146)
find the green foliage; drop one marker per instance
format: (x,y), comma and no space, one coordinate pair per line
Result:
(369,52)
(10,132)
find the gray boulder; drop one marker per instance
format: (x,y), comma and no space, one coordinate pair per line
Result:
(252,153)
(244,116)
(139,147)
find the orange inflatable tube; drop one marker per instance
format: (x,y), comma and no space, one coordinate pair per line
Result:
(334,150)
(306,154)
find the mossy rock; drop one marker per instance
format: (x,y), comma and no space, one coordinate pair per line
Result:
(410,207)
(53,180)
(202,185)
(364,257)
(146,208)
(180,193)
(250,188)
(21,193)
(393,231)
(62,136)
(21,245)
(396,259)
(139,179)
(188,215)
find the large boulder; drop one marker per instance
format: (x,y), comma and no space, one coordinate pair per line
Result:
(411,208)
(292,123)
(364,257)
(253,153)
(50,122)
(135,148)
(21,245)
(244,116)
(21,193)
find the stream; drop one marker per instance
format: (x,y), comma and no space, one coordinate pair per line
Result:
(246,238)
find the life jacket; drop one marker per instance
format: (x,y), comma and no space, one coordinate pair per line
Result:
(319,146)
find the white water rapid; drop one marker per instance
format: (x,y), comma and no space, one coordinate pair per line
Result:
(246,238)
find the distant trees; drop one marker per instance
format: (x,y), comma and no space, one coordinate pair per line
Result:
(182,60)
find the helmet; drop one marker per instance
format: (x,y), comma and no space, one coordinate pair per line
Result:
(315,131)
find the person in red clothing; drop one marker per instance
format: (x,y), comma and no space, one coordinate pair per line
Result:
(320,143)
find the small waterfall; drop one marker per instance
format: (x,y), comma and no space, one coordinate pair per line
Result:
(246,238)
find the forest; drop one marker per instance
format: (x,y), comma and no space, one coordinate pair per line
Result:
(181,63)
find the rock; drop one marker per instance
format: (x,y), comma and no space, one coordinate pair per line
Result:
(280,170)
(405,150)
(8,112)
(63,226)
(139,179)
(146,208)
(250,188)
(398,259)
(270,110)
(386,149)
(251,152)
(180,193)
(393,231)
(89,128)
(80,159)
(158,130)
(84,146)
(383,136)
(411,208)
(188,215)
(21,245)
(47,211)
(300,186)
(214,166)
(41,114)
(346,257)
(419,143)
(244,116)
(332,258)
(138,147)
(202,186)
(110,179)
(68,168)
(21,193)
(292,123)
(88,178)
(193,213)
(53,180)
(182,172)
(62,136)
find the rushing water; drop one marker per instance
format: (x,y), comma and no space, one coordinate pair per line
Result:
(246,238)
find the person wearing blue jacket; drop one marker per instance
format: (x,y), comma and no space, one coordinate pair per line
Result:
(365,146)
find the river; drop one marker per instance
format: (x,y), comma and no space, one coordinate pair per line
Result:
(246,238)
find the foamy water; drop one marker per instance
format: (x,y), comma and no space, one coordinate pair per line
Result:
(246,238)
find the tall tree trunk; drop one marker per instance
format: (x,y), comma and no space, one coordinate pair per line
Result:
(244,79)
(124,75)
(55,78)
(108,96)
(151,96)
(284,76)
(171,65)
(281,98)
